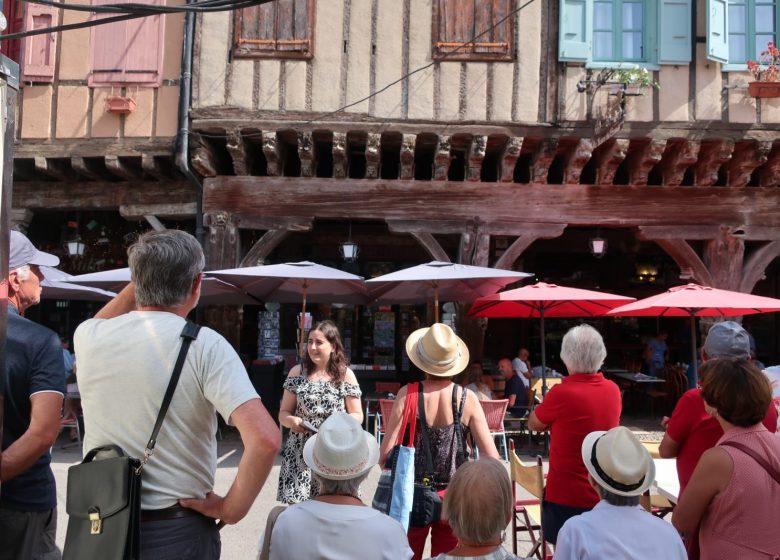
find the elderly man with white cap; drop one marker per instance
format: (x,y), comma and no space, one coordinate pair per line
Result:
(620,470)
(31,419)
(336,524)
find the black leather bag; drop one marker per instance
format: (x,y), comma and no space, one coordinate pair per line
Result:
(104,494)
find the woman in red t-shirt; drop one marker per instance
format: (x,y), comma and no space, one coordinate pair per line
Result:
(582,403)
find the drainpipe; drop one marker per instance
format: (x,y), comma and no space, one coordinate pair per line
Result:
(182,157)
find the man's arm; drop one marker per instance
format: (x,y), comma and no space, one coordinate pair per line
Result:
(261,439)
(44,428)
(534,424)
(124,302)
(668,448)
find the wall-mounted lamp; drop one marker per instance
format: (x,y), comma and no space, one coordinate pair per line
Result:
(76,247)
(349,249)
(598,247)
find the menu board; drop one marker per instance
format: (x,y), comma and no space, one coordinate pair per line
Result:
(267,334)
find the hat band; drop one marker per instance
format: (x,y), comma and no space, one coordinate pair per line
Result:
(423,355)
(352,470)
(608,479)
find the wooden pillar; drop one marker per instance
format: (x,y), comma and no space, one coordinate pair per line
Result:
(474,250)
(222,250)
(724,256)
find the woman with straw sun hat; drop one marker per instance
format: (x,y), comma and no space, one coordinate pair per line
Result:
(441,354)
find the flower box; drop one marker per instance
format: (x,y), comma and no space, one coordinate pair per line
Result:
(120,105)
(764,89)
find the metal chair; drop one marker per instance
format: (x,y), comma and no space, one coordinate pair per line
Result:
(494,414)
(528,511)
(385,407)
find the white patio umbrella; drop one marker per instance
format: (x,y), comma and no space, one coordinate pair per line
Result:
(55,286)
(440,281)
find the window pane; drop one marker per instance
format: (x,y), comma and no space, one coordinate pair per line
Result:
(602,15)
(602,45)
(632,16)
(737,49)
(765,19)
(632,45)
(737,19)
(761,41)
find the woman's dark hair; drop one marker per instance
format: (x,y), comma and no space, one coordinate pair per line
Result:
(337,363)
(737,389)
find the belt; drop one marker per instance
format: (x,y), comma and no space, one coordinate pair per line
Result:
(173,512)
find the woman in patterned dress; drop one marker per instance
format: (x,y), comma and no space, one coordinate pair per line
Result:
(323,386)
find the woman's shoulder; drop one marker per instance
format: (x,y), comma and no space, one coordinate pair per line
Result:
(296,371)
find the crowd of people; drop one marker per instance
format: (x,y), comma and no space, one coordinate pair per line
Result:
(722,434)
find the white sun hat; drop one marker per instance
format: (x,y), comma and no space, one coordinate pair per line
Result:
(341,449)
(618,461)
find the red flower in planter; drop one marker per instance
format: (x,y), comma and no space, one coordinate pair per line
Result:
(767,67)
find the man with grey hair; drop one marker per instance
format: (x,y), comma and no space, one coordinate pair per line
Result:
(35,387)
(126,355)
(583,402)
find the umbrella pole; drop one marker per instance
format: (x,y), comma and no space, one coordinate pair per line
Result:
(693,351)
(302,324)
(544,372)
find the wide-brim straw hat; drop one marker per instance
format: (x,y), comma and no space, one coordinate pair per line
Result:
(437,350)
(619,462)
(341,449)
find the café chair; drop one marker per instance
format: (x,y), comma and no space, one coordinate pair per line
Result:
(494,414)
(385,407)
(71,422)
(528,512)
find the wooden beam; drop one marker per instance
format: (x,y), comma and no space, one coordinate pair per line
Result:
(93,147)
(339,151)
(306,154)
(712,155)
(373,155)
(51,168)
(576,159)
(476,157)
(608,157)
(103,195)
(264,246)
(85,168)
(407,156)
(450,227)
(120,169)
(756,265)
(723,257)
(642,161)
(678,157)
(139,211)
(249,221)
(271,151)
(710,231)
(509,158)
(769,174)
(541,160)
(202,156)
(236,147)
(493,202)
(430,244)
(748,156)
(151,167)
(481,255)
(156,224)
(442,159)
(222,241)
(523,241)
(691,265)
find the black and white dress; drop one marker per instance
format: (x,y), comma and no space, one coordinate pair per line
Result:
(316,400)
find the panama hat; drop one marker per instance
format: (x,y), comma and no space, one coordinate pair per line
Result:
(618,461)
(341,450)
(437,350)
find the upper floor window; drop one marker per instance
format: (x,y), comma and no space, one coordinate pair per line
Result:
(128,52)
(751,25)
(280,29)
(636,31)
(472,29)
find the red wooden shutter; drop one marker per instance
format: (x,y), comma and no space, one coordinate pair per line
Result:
(457,22)
(13,10)
(39,50)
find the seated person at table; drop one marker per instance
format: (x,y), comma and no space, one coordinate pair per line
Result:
(620,469)
(514,390)
(583,402)
(522,367)
(475,381)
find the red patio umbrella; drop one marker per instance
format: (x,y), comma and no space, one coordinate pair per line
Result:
(693,300)
(543,300)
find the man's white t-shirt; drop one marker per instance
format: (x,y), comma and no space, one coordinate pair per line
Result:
(125,364)
(520,369)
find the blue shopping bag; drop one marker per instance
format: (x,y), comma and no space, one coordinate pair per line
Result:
(403,486)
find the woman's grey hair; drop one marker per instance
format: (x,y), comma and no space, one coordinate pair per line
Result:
(616,499)
(163,265)
(478,503)
(348,487)
(583,350)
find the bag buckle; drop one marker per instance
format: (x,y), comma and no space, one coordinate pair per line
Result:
(96,525)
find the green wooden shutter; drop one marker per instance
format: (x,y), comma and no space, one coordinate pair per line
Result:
(717,30)
(674,32)
(576,30)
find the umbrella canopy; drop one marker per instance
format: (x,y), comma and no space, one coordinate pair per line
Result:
(55,286)
(542,300)
(213,291)
(440,281)
(693,300)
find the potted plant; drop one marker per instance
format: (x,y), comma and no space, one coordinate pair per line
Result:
(766,71)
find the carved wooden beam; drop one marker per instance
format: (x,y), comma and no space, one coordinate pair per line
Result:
(769,174)
(51,168)
(607,159)
(723,257)
(339,155)
(576,160)
(747,157)
(691,266)
(264,246)
(272,153)
(306,154)
(85,168)
(118,167)
(236,147)
(642,161)
(756,265)
(222,242)
(442,159)
(151,167)
(407,156)
(523,241)
(678,157)
(481,254)
(542,158)
(202,156)
(509,158)
(430,244)
(373,155)
(138,211)
(476,156)
(712,155)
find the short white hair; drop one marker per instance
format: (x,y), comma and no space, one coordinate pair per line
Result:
(23,272)
(583,350)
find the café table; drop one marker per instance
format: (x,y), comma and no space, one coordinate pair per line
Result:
(666,481)
(632,382)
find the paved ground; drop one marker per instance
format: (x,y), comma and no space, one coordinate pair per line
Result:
(239,541)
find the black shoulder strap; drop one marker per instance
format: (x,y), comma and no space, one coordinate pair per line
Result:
(188,334)
(457,413)
(425,438)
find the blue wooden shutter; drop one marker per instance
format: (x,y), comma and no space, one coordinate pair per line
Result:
(576,30)
(674,32)
(718,30)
